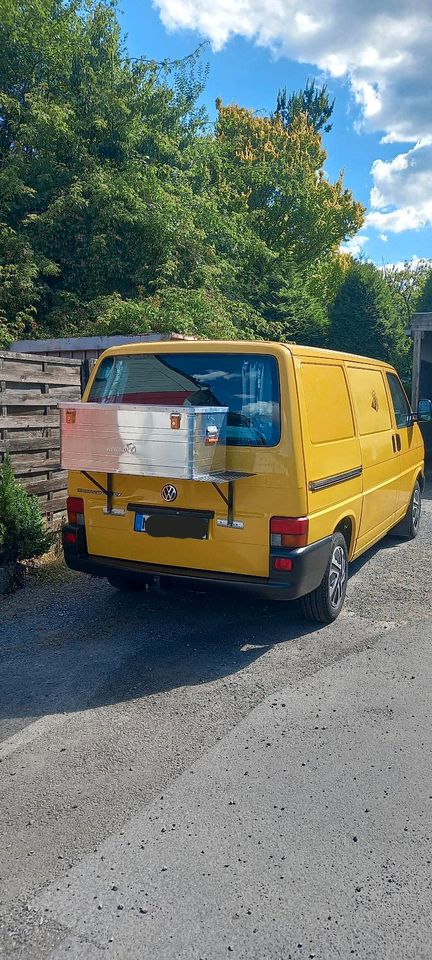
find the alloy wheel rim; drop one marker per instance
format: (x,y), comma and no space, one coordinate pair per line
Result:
(416,508)
(337,577)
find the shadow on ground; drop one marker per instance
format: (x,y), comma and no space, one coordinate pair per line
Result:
(80,644)
(93,645)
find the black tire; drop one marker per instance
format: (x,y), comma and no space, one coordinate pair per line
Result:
(124,584)
(408,528)
(325,603)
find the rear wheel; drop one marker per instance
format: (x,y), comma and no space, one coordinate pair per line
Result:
(325,603)
(410,525)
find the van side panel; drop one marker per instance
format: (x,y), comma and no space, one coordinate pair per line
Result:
(331,447)
(378,454)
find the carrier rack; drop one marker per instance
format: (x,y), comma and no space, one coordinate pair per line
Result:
(225,476)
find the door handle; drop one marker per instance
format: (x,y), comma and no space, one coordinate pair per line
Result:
(396,443)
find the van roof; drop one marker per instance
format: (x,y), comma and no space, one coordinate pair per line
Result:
(238,346)
(298,350)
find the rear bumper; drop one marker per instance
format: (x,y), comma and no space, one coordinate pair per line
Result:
(308,567)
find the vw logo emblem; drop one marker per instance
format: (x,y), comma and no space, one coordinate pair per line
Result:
(169,493)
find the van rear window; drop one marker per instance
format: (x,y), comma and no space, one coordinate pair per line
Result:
(248,384)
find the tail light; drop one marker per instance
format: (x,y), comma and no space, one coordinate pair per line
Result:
(282,563)
(69,536)
(289,531)
(75,511)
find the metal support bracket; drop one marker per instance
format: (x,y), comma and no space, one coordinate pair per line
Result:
(108,490)
(215,479)
(109,493)
(229,500)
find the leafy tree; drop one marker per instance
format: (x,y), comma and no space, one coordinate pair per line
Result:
(327,275)
(287,308)
(191,312)
(364,320)
(312,101)
(89,150)
(278,176)
(424,300)
(407,284)
(121,211)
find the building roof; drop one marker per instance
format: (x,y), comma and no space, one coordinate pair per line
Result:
(70,344)
(420,322)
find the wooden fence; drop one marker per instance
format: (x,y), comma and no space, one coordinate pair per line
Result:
(30,388)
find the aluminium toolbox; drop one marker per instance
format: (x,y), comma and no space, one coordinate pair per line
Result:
(145,440)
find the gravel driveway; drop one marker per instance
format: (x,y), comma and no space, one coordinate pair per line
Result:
(106,699)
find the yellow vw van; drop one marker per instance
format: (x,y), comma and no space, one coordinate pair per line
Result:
(323,458)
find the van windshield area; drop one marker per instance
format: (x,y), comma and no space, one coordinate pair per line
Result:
(248,384)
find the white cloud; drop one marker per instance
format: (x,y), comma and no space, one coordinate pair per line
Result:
(401,197)
(383,237)
(367,96)
(383,47)
(355,245)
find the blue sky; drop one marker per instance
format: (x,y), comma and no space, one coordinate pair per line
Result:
(367,61)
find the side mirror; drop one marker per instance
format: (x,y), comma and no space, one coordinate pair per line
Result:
(424,411)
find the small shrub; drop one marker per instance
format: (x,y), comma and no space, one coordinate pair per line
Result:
(23,533)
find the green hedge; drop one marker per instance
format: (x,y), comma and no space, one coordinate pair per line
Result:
(23,533)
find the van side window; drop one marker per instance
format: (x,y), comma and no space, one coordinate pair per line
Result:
(370,400)
(327,402)
(400,402)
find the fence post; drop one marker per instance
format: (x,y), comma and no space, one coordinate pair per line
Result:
(417,338)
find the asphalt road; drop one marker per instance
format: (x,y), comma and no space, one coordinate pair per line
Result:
(192,776)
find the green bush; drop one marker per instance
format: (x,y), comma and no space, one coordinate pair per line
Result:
(364,319)
(23,533)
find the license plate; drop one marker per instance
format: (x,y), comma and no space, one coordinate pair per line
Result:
(182,526)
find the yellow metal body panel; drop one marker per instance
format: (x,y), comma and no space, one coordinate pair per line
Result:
(380,462)
(327,407)
(331,446)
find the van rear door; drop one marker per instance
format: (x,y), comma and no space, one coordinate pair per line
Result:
(250,383)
